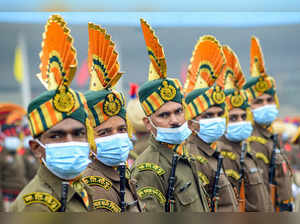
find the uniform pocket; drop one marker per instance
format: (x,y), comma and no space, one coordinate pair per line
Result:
(187,195)
(254,176)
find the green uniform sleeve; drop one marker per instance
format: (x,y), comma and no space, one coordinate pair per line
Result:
(150,190)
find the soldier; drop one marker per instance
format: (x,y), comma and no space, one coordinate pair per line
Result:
(12,168)
(264,106)
(135,116)
(61,130)
(239,160)
(205,107)
(112,190)
(166,177)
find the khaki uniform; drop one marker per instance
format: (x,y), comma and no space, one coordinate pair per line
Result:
(256,194)
(152,170)
(207,162)
(139,146)
(12,175)
(31,164)
(105,182)
(262,144)
(44,192)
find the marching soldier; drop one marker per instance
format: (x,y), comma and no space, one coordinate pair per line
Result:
(136,115)
(264,104)
(11,166)
(166,177)
(239,160)
(61,130)
(205,107)
(113,191)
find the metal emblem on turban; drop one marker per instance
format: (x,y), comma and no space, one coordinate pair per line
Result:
(218,95)
(167,92)
(63,100)
(261,85)
(112,105)
(236,100)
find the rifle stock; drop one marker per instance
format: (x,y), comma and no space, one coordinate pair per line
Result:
(242,200)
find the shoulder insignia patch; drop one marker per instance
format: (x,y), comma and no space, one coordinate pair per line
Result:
(151,166)
(106,204)
(230,155)
(203,178)
(97,181)
(260,155)
(257,139)
(201,159)
(146,192)
(42,198)
(232,173)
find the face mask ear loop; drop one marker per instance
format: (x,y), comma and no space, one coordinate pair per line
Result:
(39,142)
(149,119)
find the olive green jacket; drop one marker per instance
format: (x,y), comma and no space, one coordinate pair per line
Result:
(44,192)
(207,168)
(152,169)
(105,182)
(256,194)
(262,145)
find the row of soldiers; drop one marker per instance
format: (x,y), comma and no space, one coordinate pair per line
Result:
(210,147)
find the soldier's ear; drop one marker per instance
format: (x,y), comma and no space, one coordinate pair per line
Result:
(37,149)
(147,123)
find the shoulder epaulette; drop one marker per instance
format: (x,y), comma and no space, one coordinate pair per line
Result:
(151,166)
(146,192)
(260,155)
(42,198)
(230,155)
(201,159)
(203,178)
(232,173)
(97,181)
(257,139)
(106,204)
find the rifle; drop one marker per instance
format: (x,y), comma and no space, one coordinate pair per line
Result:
(122,170)
(64,195)
(242,200)
(170,199)
(216,187)
(272,169)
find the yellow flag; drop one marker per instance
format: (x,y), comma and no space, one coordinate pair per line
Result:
(19,65)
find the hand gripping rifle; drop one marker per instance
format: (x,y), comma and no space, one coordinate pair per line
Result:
(122,170)
(242,200)
(216,186)
(170,199)
(64,196)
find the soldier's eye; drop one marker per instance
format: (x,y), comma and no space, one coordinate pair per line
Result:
(123,129)
(244,117)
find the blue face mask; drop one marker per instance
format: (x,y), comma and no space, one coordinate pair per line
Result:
(66,160)
(11,143)
(113,150)
(237,132)
(174,136)
(266,114)
(211,129)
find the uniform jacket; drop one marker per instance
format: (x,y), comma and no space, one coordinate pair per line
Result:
(105,181)
(256,193)
(262,144)
(207,167)
(44,192)
(152,170)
